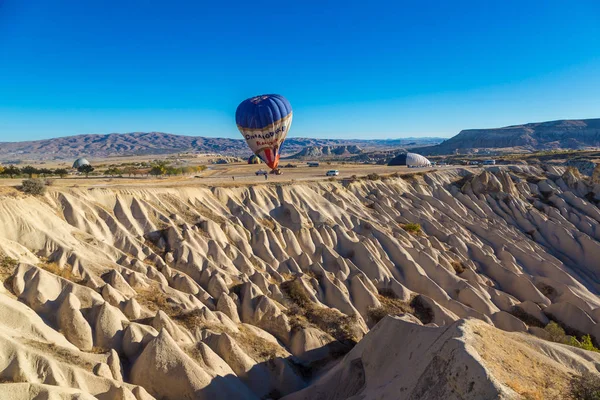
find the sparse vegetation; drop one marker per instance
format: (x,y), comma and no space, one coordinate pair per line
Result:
(458,267)
(546,290)
(255,346)
(35,186)
(413,229)
(7,267)
(390,305)
(585,387)
(63,272)
(523,316)
(373,177)
(303,312)
(557,334)
(422,310)
(155,299)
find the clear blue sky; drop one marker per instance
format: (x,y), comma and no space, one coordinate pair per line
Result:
(368,69)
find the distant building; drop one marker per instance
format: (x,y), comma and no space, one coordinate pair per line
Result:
(489,162)
(313,164)
(80,162)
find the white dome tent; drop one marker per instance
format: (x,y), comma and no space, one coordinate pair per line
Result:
(80,162)
(411,160)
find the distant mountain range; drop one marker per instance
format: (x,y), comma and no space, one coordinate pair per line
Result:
(562,134)
(157,143)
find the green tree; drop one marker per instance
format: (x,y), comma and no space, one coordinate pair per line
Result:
(12,171)
(173,171)
(29,170)
(45,172)
(158,170)
(62,172)
(86,169)
(129,170)
(113,171)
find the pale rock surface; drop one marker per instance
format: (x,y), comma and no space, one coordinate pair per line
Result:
(97,263)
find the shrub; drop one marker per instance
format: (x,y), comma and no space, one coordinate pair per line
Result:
(373,177)
(556,333)
(458,266)
(414,229)
(527,318)
(422,310)
(546,290)
(585,343)
(7,266)
(36,187)
(585,387)
(49,182)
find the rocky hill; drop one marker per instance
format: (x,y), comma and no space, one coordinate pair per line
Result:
(327,151)
(563,134)
(156,143)
(252,292)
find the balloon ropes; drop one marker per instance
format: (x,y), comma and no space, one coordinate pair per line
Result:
(264,121)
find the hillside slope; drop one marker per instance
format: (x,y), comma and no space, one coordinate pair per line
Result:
(248,291)
(563,134)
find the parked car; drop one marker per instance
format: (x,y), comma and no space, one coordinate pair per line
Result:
(261,172)
(332,172)
(313,164)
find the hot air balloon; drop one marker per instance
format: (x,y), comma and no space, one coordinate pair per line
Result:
(264,121)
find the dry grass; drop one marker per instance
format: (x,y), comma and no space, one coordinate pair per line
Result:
(259,349)
(61,353)
(63,272)
(155,299)
(390,305)
(267,223)
(304,313)
(519,365)
(7,266)
(210,214)
(256,347)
